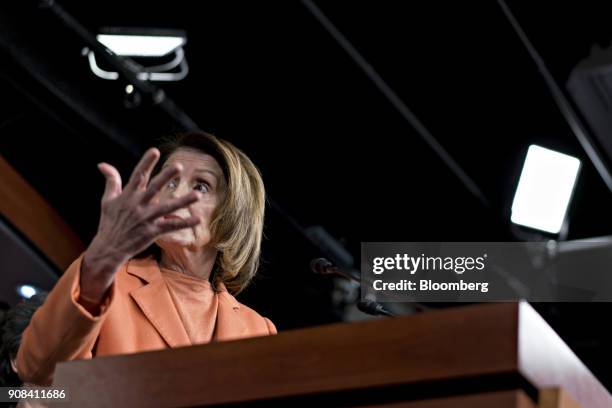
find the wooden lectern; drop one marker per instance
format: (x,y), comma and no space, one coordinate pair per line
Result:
(489,355)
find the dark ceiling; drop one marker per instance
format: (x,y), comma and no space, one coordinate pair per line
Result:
(332,149)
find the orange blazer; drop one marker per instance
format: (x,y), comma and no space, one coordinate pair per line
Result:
(137,315)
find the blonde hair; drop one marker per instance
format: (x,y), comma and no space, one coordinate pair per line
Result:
(237,223)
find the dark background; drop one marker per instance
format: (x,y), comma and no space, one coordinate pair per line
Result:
(333,151)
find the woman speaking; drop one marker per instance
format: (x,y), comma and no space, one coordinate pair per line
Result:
(173,246)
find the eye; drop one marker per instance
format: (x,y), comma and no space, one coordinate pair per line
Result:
(201,186)
(172,184)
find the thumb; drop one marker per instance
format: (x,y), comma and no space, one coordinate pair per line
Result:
(113,181)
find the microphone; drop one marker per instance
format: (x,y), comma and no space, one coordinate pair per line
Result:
(322,266)
(373,308)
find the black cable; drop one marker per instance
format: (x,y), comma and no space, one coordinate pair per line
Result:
(397,103)
(560,99)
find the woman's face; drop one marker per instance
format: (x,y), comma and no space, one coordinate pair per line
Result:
(201,173)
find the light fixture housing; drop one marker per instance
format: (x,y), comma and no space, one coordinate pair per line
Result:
(140,45)
(544,189)
(144,46)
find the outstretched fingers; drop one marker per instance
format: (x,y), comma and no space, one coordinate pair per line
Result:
(112,187)
(173,224)
(142,172)
(160,181)
(174,204)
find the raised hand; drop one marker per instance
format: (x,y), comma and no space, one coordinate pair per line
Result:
(130,220)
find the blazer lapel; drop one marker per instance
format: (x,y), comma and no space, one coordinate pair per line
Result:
(230,324)
(156,303)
